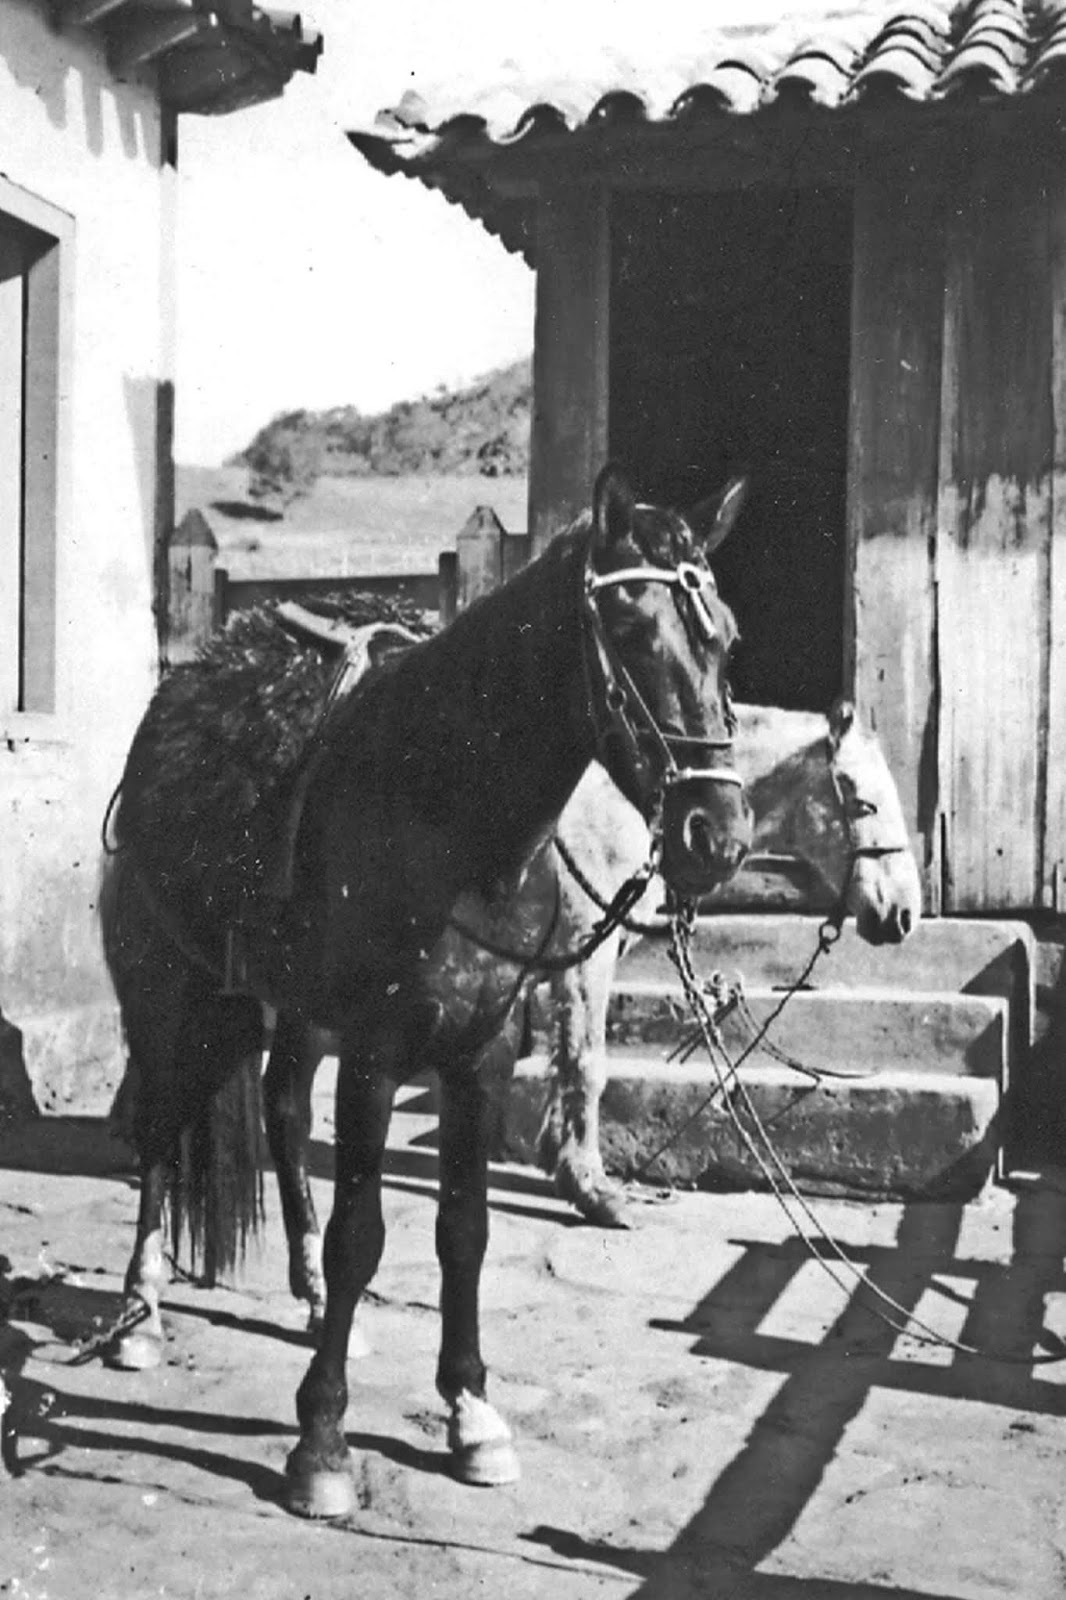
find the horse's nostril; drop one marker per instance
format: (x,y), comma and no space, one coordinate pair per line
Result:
(905,921)
(697,834)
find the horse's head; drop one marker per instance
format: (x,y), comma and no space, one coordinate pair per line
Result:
(825,798)
(884,893)
(660,638)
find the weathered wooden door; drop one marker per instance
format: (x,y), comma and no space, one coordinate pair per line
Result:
(957,512)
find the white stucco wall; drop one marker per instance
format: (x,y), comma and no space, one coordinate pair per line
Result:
(72,137)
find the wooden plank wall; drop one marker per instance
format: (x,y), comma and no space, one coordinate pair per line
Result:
(1054,820)
(957,512)
(568,443)
(892,485)
(996,451)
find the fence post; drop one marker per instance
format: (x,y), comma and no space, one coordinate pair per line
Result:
(447,586)
(478,555)
(192,609)
(514,554)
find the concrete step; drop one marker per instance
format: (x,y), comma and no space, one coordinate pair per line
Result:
(902,1135)
(841,1030)
(942,954)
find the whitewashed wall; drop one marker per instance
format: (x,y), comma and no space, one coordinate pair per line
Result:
(72,137)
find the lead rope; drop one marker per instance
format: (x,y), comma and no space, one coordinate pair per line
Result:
(728,997)
(615,914)
(835,1261)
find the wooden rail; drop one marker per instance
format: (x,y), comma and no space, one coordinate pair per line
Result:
(201,593)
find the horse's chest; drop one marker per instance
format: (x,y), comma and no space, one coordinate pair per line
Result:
(476,969)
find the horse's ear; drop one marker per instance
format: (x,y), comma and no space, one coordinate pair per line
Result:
(712,520)
(841,720)
(613,507)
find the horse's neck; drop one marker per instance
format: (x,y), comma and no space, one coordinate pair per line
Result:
(507,682)
(782,756)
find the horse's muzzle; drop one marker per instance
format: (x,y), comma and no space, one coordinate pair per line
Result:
(707,832)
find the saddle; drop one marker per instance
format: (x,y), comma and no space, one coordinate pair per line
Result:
(358,650)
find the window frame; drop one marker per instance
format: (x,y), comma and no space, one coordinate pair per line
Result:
(32,703)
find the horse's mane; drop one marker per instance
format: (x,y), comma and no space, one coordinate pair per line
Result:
(478,728)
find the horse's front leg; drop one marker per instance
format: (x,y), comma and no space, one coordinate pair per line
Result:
(570,1133)
(480,1442)
(319,1482)
(294,1059)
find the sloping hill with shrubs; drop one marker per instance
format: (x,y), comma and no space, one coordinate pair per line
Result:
(480,430)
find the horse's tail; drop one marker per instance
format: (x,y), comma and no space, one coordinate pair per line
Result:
(191,1097)
(215,1192)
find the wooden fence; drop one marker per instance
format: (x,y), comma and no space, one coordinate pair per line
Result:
(201,593)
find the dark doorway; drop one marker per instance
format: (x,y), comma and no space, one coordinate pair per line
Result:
(730,330)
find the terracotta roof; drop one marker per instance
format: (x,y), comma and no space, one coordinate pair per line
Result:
(210,56)
(835,59)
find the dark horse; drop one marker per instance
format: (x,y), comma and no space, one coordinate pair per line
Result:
(342,875)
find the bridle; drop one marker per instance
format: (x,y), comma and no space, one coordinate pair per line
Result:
(619,708)
(616,707)
(854,810)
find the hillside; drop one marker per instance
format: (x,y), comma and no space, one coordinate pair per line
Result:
(480,430)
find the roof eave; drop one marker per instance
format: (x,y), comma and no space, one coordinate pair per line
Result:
(207,60)
(498,182)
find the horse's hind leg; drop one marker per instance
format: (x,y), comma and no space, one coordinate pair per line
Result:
(152,1010)
(142,1346)
(478,1438)
(294,1059)
(570,1132)
(319,1483)
(194,1065)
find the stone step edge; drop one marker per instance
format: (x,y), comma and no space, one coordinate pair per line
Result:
(1008,928)
(531,1069)
(946,1133)
(865,994)
(975,1022)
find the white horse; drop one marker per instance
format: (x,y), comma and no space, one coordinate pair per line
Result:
(824,802)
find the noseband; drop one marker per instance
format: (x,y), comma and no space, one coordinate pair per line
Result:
(852,813)
(625,711)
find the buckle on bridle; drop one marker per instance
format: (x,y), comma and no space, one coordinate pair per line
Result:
(694,578)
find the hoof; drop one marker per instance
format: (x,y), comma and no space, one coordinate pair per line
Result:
(606,1208)
(487,1466)
(325,1492)
(589,1191)
(480,1442)
(136,1352)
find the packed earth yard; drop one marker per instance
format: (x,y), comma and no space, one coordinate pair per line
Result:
(700,1411)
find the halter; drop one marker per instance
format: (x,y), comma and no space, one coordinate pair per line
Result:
(852,812)
(627,712)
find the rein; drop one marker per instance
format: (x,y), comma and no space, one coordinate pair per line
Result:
(710,1002)
(615,916)
(755,1138)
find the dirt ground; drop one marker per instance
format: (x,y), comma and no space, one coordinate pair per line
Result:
(700,1410)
